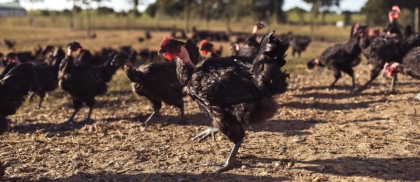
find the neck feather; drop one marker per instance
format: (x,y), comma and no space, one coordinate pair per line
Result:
(255,29)
(184,57)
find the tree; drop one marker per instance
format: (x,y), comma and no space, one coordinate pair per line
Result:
(31,15)
(104,10)
(87,4)
(376,11)
(152,9)
(324,6)
(347,17)
(314,15)
(135,4)
(300,13)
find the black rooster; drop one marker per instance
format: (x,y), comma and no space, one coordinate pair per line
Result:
(230,94)
(83,81)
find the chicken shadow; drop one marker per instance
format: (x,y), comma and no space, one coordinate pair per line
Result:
(401,169)
(197,119)
(60,129)
(332,106)
(349,88)
(156,177)
(347,95)
(287,127)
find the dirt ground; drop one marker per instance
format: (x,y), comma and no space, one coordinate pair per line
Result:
(318,134)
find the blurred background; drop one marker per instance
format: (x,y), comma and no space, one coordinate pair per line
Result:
(114,23)
(206,14)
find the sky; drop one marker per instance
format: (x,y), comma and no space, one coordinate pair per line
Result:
(122,5)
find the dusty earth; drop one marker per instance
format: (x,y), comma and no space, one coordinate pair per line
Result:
(319,134)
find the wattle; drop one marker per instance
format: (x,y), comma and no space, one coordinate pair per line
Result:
(169,57)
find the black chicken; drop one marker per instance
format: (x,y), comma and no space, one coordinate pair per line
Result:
(83,81)
(206,47)
(342,57)
(366,41)
(410,65)
(388,49)
(148,35)
(248,47)
(10,43)
(299,43)
(47,74)
(230,94)
(14,88)
(155,81)
(393,28)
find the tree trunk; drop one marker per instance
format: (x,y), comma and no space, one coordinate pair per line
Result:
(158,12)
(73,18)
(275,13)
(227,20)
(416,20)
(88,23)
(128,22)
(206,14)
(312,27)
(187,16)
(323,14)
(31,19)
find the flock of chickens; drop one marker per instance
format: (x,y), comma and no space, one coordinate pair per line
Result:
(233,91)
(394,51)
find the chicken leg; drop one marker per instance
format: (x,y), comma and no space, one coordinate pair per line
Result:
(89,114)
(77,104)
(230,162)
(391,88)
(70,120)
(144,125)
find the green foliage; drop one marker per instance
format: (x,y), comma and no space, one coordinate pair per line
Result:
(406,17)
(376,11)
(324,5)
(104,10)
(347,17)
(45,13)
(152,9)
(219,9)
(296,10)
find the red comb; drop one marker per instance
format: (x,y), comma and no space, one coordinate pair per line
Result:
(165,40)
(203,42)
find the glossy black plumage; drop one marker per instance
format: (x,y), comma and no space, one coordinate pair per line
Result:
(299,44)
(388,49)
(47,75)
(156,81)
(84,82)
(410,64)
(14,88)
(342,57)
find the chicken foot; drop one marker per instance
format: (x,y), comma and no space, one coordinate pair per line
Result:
(206,133)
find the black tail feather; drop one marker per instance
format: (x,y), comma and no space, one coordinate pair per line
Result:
(267,65)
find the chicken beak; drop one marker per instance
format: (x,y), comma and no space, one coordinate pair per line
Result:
(161,51)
